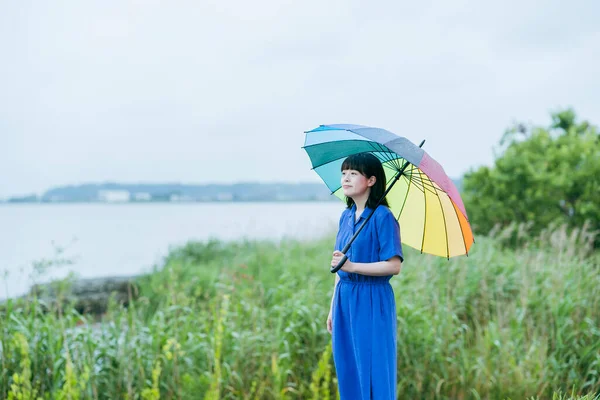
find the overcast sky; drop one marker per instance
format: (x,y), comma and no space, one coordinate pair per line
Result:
(221,91)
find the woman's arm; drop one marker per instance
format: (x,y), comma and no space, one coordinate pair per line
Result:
(380,268)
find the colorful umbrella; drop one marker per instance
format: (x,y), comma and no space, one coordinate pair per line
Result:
(426,203)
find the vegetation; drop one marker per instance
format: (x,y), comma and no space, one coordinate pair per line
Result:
(543,176)
(247,321)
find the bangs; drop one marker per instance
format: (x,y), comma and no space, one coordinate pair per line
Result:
(357,162)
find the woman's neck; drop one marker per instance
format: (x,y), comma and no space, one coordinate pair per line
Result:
(360,204)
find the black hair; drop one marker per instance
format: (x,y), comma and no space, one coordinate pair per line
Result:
(368,165)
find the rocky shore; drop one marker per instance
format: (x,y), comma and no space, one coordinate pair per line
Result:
(86,296)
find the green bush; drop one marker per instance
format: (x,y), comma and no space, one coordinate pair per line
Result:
(542,175)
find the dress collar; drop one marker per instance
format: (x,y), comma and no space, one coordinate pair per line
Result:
(364,215)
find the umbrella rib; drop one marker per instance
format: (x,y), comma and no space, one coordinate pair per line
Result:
(425,182)
(382,149)
(414,181)
(412,176)
(405,197)
(392,160)
(412,173)
(396,160)
(388,181)
(418,183)
(445,227)
(391,165)
(393,157)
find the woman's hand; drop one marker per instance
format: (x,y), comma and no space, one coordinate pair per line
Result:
(329,323)
(337,256)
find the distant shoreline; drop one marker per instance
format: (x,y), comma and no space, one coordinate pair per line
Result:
(155,193)
(14,203)
(111,192)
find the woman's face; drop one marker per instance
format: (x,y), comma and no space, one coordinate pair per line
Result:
(355,184)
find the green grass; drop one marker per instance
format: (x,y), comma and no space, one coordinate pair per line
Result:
(246,320)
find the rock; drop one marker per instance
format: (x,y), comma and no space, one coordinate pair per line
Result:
(88,296)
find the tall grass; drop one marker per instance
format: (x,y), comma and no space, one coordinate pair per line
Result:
(246,320)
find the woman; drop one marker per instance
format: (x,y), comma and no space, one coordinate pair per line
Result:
(362,317)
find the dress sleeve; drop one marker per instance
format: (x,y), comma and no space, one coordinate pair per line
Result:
(388,232)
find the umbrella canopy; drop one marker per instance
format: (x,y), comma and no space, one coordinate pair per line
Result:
(425,201)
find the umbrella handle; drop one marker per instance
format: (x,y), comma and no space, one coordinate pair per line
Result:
(337,267)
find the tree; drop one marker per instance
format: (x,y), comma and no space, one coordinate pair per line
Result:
(543,175)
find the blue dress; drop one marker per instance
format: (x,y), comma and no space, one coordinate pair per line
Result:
(364,310)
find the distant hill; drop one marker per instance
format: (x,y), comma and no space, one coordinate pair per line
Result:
(182,192)
(177,192)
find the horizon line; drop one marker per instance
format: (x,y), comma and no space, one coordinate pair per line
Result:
(158,183)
